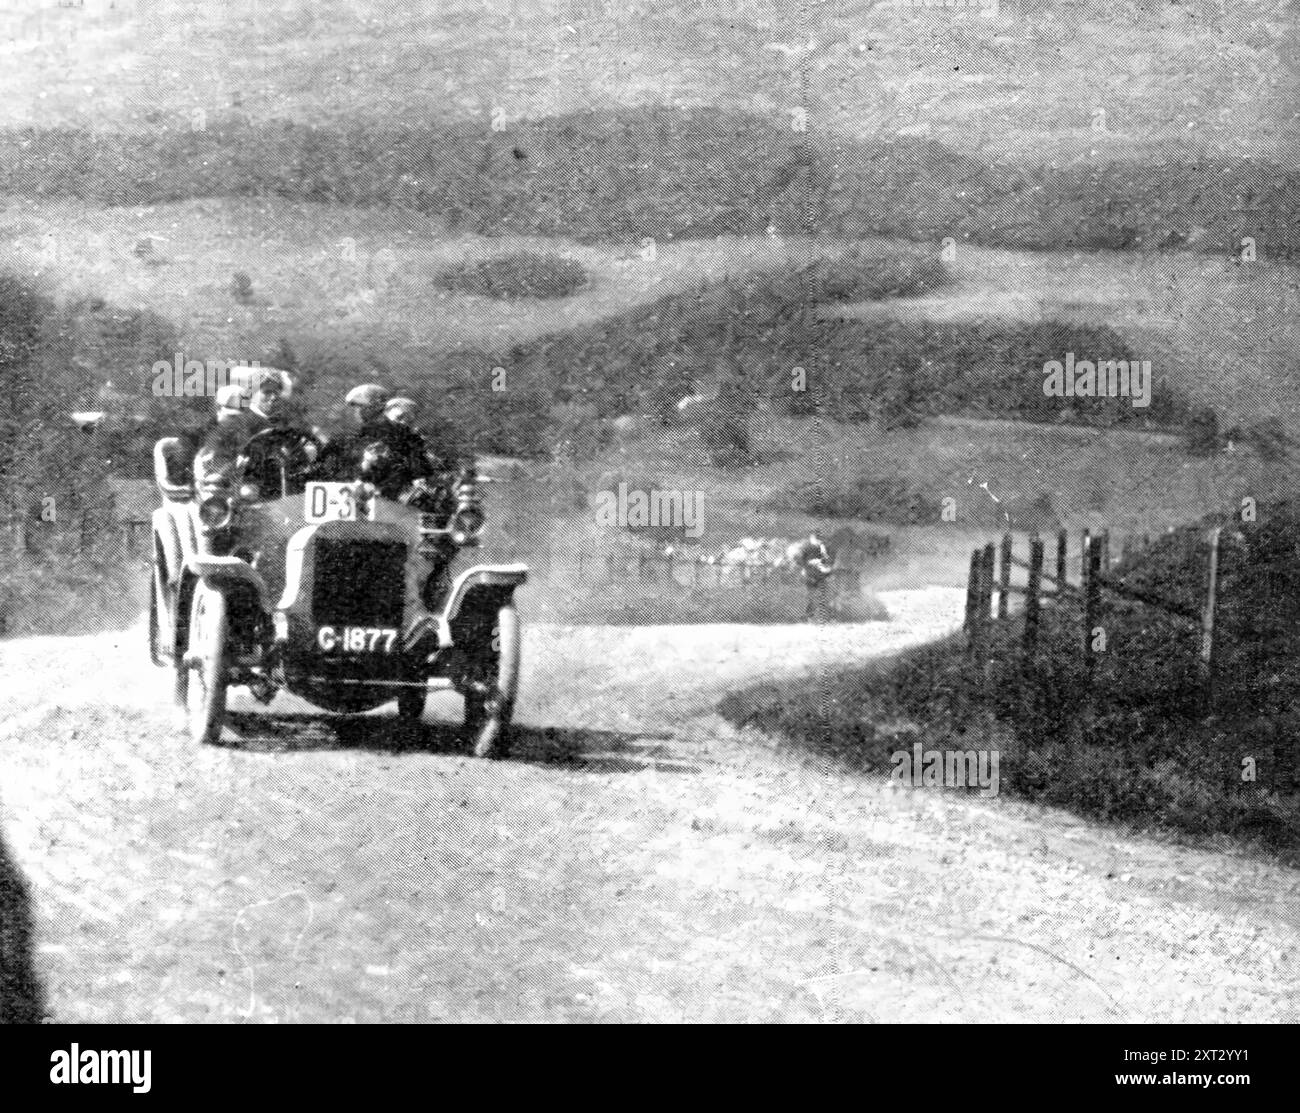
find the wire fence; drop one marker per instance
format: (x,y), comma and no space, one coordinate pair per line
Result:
(682,571)
(38,531)
(988,598)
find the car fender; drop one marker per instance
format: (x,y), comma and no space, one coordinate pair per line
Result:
(483,585)
(223,573)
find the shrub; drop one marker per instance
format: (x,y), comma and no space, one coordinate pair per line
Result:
(1201,432)
(241,288)
(1267,437)
(523,275)
(895,500)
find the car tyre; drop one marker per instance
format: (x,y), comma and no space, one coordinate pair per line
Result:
(206,657)
(488,714)
(410,705)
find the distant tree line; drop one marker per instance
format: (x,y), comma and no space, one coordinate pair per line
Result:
(673,173)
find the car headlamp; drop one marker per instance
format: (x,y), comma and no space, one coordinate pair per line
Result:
(215,512)
(467,525)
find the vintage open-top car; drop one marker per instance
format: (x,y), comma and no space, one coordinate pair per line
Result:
(327,590)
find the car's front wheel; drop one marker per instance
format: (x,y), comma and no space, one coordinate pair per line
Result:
(410,705)
(206,660)
(491,689)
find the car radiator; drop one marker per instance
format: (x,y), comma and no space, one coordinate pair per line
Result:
(359,583)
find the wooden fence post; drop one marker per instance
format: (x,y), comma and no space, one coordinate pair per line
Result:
(972,589)
(986,577)
(1091,601)
(1033,593)
(1206,663)
(1083,560)
(1004,582)
(1062,548)
(1029,639)
(977,642)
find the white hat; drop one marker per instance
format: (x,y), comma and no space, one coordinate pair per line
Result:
(250,378)
(400,408)
(367,394)
(231,398)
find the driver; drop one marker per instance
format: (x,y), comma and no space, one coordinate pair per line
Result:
(227,455)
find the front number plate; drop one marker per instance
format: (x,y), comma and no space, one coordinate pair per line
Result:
(356,639)
(331,502)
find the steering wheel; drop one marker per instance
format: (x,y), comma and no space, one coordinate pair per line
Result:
(284,442)
(278,438)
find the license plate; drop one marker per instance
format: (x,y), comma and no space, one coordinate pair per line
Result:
(356,639)
(332,502)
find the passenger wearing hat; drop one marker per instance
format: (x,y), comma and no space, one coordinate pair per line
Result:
(367,403)
(341,456)
(400,411)
(380,450)
(231,400)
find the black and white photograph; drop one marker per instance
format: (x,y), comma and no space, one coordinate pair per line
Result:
(650,512)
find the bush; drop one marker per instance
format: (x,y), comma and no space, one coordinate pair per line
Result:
(1202,432)
(523,275)
(241,288)
(44,349)
(895,500)
(1268,438)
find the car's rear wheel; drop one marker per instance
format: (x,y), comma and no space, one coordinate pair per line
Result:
(490,691)
(175,653)
(206,659)
(162,635)
(159,617)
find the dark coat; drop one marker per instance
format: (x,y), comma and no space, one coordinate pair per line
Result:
(387,454)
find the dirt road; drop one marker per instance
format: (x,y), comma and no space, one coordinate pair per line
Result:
(637,860)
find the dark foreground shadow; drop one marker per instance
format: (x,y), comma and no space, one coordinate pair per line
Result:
(20,993)
(596,751)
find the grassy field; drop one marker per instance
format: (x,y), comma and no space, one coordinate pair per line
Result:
(1224,334)
(1134,743)
(360,284)
(356,279)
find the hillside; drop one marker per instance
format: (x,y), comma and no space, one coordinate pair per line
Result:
(1135,745)
(1094,126)
(1192,77)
